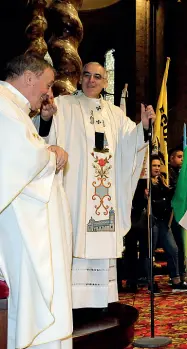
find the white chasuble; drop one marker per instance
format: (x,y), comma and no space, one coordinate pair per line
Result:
(100,188)
(35,233)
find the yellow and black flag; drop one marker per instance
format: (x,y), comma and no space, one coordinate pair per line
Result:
(160,126)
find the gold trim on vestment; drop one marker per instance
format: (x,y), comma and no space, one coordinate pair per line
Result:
(51,301)
(28,345)
(86,143)
(54,340)
(49,233)
(20,191)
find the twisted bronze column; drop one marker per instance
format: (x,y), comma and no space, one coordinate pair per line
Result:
(36,28)
(65,33)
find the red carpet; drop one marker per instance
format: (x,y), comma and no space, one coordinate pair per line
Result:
(170,313)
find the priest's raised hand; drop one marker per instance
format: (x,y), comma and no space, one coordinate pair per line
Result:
(48,108)
(147,112)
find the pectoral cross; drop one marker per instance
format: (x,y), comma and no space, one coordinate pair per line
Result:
(91,118)
(100,122)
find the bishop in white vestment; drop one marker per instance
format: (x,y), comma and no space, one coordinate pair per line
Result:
(99,183)
(35,229)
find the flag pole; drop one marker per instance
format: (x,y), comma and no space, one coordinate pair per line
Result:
(150,227)
(152,341)
(184,136)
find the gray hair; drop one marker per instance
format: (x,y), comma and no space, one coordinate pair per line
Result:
(97,63)
(18,65)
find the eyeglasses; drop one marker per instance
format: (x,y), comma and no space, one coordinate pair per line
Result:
(96,76)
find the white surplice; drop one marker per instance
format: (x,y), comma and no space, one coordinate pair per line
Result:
(96,244)
(35,232)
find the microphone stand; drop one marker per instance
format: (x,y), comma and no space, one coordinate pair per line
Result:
(153,341)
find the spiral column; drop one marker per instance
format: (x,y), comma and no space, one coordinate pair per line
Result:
(36,28)
(65,33)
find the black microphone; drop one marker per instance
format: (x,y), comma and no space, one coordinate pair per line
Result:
(150,129)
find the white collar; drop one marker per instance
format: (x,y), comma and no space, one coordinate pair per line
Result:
(80,93)
(17,97)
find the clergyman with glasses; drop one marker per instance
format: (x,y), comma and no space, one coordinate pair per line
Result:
(106,151)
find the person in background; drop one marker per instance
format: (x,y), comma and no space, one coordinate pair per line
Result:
(161,211)
(175,163)
(134,264)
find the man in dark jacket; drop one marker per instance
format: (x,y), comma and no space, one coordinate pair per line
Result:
(136,242)
(175,163)
(161,196)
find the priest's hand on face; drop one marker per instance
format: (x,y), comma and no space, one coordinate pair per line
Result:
(146,114)
(61,156)
(48,108)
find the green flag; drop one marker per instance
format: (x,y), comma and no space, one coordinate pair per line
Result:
(179,202)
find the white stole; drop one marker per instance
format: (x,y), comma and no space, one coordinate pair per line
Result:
(100,183)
